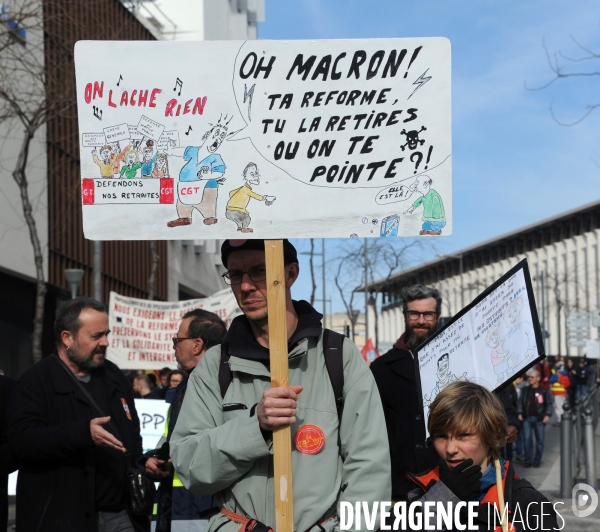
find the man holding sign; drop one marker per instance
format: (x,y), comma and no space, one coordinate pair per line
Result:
(222,443)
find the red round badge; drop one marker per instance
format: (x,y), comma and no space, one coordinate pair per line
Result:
(309,439)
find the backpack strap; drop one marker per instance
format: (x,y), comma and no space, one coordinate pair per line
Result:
(225,375)
(333,350)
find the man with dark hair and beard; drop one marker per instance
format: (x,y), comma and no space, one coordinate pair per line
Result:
(71,458)
(394,374)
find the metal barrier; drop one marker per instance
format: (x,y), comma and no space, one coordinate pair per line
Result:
(577,440)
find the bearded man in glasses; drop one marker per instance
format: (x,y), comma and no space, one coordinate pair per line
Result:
(394,374)
(222,443)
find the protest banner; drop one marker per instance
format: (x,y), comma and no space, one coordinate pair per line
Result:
(153,416)
(489,342)
(142,331)
(359,131)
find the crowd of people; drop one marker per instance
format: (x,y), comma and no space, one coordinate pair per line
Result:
(358,433)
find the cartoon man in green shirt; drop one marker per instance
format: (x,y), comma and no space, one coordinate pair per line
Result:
(434,217)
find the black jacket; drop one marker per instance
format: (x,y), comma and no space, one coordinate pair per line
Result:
(6,457)
(544,406)
(50,435)
(394,374)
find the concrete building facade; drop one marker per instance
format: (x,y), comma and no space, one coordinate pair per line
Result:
(563,254)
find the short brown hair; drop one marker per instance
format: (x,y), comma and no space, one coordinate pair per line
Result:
(466,406)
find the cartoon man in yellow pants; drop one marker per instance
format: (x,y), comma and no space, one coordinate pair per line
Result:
(239,198)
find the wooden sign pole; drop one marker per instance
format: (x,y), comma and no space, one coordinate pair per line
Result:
(282,449)
(504,521)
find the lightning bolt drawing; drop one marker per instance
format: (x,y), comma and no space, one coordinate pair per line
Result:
(248,95)
(420,82)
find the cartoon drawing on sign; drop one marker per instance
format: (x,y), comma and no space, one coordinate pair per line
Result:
(148,159)
(444,377)
(497,355)
(161,167)
(519,343)
(328,116)
(389,226)
(239,198)
(118,156)
(203,164)
(412,138)
(131,164)
(434,217)
(105,161)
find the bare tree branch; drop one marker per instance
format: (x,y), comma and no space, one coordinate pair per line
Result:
(558,68)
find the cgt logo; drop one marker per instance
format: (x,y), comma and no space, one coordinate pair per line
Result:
(585,500)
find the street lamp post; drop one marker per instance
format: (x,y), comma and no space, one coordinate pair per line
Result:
(74,277)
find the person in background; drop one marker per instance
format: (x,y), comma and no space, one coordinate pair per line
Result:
(535,410)
(559,382)
(545,371)
(153,380)
(572,374)
(160,391)
(394,373)
(7,464)
(520,382)
(179,510)
(581,373)
(176,377)
(141,386)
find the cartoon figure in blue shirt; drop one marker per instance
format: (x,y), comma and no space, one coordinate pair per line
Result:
(203,164)
(148,158)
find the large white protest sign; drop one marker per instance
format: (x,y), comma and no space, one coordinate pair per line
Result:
(142,330)
(335,138)
(489,342)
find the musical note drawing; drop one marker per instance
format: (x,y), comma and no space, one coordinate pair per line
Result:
(98,112)
(180,84)
(120,79)
(188,131)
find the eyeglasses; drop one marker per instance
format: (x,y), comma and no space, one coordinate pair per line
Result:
(176,340)
(413,315)
(257,274)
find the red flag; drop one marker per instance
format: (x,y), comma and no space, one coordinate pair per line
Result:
(369,352)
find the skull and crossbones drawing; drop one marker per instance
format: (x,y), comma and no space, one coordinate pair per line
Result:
(412,138)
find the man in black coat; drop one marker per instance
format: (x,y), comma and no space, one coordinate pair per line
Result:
(394,374)
(6,458)
(71,458)
(198,332)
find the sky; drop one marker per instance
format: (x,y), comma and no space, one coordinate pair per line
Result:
(513,163)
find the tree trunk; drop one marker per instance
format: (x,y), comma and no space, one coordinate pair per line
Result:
(20,177)
(153,270)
